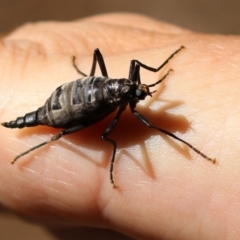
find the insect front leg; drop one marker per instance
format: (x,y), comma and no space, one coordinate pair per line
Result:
(134,63)
(134,72)
(106,138)
(148,124)
(54,138)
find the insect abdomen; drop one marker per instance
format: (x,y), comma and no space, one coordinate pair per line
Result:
(80,101)
(74,103)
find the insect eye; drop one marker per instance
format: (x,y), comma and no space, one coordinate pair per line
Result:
(142,91)
(140,94)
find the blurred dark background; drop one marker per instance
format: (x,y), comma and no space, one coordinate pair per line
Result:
(214,16)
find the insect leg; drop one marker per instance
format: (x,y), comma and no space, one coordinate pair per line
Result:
(148,124)
(134,72)
(54,138)
(161,66)
(106,138)
(75,66)
(97,57)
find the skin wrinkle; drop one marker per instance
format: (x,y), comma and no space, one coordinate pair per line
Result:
(132,21)
(204,220)
(144,36)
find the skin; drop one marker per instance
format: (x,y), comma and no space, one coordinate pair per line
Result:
(166,190)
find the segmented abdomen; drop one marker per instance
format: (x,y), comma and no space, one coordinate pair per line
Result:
(78,102)
(73,103)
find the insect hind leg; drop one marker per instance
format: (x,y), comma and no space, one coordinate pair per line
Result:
(53,138)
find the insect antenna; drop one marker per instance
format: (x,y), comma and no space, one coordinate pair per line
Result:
(160,80)
(151,93)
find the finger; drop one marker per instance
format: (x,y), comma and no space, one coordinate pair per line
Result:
(136,21)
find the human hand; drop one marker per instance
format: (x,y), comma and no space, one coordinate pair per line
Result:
(162,194)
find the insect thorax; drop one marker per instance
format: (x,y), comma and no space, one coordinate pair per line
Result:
(118,91)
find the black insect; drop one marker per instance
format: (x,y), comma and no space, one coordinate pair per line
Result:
(84,102)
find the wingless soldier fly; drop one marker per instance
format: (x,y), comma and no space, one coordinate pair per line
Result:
(86,101)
